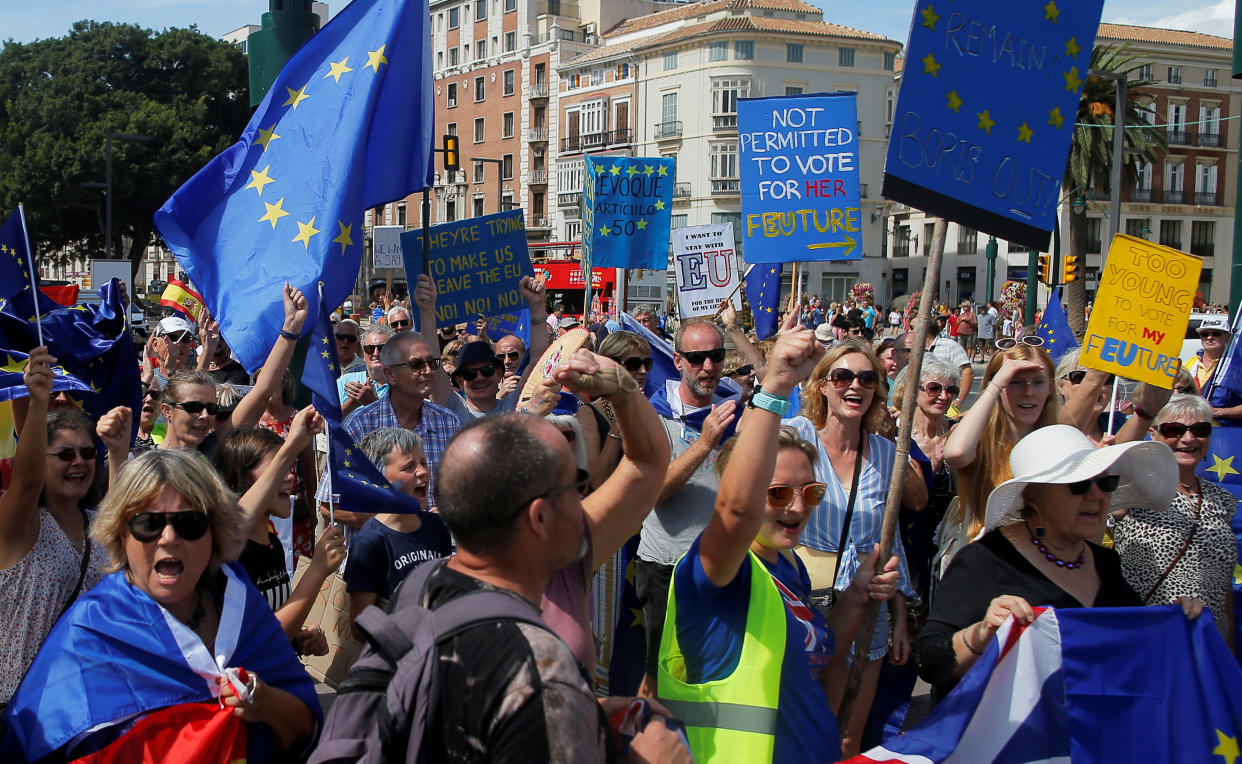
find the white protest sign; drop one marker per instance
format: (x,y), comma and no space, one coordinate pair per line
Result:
(706,263)
(387,240)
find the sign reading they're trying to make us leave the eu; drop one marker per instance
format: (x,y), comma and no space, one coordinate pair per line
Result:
(799,178)
(986,112)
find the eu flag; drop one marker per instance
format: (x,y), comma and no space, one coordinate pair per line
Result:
(14,270)
(357,481)
(1054,329)
(1224,389)
(763,292)
(323,367)
(347,125)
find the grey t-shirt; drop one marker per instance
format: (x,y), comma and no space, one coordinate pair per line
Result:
(987,325)
(672,526)
(459,406)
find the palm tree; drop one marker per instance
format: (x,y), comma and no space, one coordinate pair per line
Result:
(1090,166)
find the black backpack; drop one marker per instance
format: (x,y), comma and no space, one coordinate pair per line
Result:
(384,706)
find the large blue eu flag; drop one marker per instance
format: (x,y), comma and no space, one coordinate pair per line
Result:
(1055,330)
(763,292)
(347,125)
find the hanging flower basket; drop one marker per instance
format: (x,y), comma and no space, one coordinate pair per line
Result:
(862,289)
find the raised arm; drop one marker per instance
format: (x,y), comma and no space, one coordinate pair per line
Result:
(115,429)
(267,384)
(306,423)
(1076,411)
(425,298)
(536,300)
(728,316)
(741,500)
(19,514)
(962,444)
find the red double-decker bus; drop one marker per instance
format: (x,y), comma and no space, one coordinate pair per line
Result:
(560,265)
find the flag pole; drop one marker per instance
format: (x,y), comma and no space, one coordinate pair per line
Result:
(739,286)
(327,425)
(922,326)
(34,280)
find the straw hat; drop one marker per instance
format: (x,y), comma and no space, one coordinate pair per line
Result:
(1060,454)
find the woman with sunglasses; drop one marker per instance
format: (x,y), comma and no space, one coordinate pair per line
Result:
(740,628)
(1070,376)
(175,624)
(1039,546)
(150,429)
(1186,547)
(844,406)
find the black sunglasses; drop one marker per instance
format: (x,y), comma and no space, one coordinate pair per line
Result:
(1106,483)
(223,413)
(842,378)
(1078,375)
(634,363)
(152,392)
(179,337)
(67,454)
(369,349)
(935,388)
(194,408)
(509,357)
(347,337)
(418,366)
(742,371)
(399,324)
(469,375)
(1175,430)
(697,357)
(149,526)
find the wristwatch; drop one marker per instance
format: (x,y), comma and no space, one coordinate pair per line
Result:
(768,402)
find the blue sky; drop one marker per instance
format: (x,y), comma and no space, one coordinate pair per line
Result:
(26,21)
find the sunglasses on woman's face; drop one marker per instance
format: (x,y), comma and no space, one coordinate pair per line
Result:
(1175,430)
(1106,483)
(842,378)
(194,408)
(934,389)
(634,363)
(1078,375)
(67,454)
(149,526)
(781,496)
(742,371)
(151,392)
(1009,343)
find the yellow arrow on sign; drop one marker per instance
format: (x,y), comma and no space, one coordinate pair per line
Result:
(850,243)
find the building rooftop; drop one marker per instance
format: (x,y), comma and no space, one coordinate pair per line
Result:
(1165,36)
(692,10)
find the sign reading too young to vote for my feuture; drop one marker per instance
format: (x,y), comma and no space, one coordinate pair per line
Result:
(1141,311)
(476,265)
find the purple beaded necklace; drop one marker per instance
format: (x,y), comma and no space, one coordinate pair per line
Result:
(1039,544)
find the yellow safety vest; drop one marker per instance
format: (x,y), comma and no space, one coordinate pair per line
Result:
(734,718)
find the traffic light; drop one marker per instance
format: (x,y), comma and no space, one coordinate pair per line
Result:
(1045,269)
(1069,271)
(452,158)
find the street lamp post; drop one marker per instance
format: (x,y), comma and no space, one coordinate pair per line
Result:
(108,186)
(989,253)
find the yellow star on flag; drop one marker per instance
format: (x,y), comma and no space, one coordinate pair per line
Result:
(631,171)
(930,66)
(266,136)
(1054,117)
(325,353)
(664,170)
(659,205)
(955,102)
(1072,82)
(930,17)
(985,121)
(325,340)
(616,169)
(600,169)
(1227,748)
(1072,49)
(648,170)
(1024,133)
(629,571)
(375,58)
(642,224)
(344,238)
(259,179)
(639,620)
(1222,467)
(338,68)
(345,463)
(274,212)
(295,97)
(603,231)
(305,232)
(1051,11)
(331,367)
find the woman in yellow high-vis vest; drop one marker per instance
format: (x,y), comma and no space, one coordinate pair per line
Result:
(744,656)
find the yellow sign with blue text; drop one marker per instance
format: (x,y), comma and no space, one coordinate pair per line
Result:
(1141,312)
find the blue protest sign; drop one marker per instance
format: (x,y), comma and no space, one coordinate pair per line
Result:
(475,263)
(799,178)
(986,112)
(627,212)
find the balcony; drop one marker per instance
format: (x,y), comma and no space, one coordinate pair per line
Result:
(539,222)
(1179,137)
(1174,197)
(681,190)
(1206,198)
(537,178)
(588,141)
(724,121)
(1212,140)
(666,130)
(538,90)
(725,187)
(537,134)
(1141,195)
(568,199)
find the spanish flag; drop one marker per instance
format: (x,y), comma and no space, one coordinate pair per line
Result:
(179,295)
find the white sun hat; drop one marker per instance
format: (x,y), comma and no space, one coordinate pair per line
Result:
(1060,453)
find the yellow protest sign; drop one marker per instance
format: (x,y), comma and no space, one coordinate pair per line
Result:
(1141,311)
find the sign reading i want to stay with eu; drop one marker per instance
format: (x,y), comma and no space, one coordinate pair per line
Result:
(799,176)
(986,111)
(476,265)
(627,212)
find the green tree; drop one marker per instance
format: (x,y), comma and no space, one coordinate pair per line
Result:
(60,97)
(1089,169)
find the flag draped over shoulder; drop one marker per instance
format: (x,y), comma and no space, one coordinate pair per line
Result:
(763,292)
(1091,685)
(1055,330)
(117,655)
(347,125)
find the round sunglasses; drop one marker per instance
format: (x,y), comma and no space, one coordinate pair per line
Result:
(149,526)
(1030,340)
(781,496)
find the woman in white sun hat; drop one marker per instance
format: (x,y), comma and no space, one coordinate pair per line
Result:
(1039,547)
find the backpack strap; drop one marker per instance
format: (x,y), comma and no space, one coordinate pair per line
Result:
(484,606)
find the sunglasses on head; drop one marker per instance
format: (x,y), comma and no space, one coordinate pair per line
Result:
(67,454)
(370,349)
(347,338)
(1078,375)
(634,363)
(470,374)
(697,357)
(149,526)
(1106,483)
(742,371)
(400,323)
(1030,340)
(509,356)
(781,496)
(842,378)
(194,408)
(935,388)
(1175,430)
